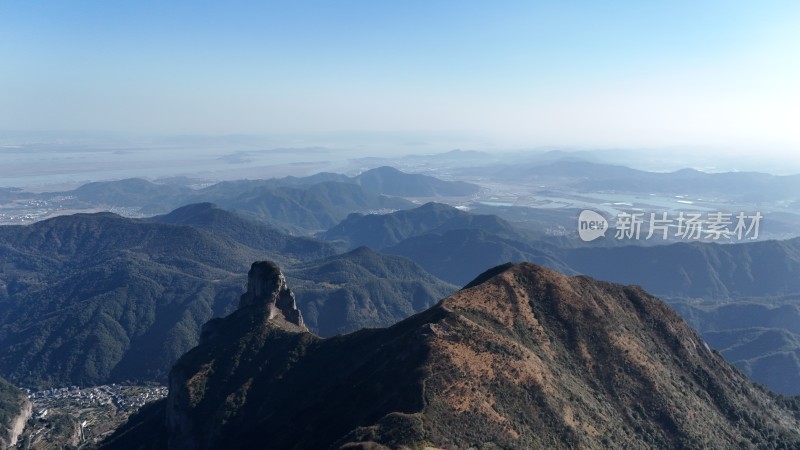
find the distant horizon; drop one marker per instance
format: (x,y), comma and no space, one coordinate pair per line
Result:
(40,160)
(686,74)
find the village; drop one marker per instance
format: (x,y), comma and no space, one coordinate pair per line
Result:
(77,417)
(27,210)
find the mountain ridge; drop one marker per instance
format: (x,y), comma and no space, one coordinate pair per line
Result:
(524,358)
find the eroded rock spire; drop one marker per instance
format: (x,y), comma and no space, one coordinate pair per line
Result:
(266,286)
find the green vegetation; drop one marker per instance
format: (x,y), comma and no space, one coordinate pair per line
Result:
(381,231)
(96,298)
(361,289)
(11,400)
(9,403)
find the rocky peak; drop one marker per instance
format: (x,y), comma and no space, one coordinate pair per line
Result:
(266,287)
(268,295)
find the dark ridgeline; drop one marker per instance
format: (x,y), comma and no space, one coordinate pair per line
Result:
(522,358)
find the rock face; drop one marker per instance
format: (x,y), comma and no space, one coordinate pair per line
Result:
(523,358)
(15,409)
(266,286)
(18,424)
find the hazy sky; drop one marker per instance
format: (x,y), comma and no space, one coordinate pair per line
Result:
(721,74)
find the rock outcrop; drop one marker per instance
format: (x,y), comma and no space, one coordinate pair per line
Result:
(15,409)
(201,391)
(267,297)
(266,286)
(18,424)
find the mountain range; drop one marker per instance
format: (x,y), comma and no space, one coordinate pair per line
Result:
(86,296)
(704,281)
(314,203)
(40,278)
(521,358)
(588,176)
(94,298)
(450,243)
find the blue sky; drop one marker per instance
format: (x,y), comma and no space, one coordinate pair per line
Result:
(710,74)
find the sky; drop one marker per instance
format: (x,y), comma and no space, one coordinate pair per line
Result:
(719,75)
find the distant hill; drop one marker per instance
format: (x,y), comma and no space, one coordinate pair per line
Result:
(387,180)
(363,288)
(313,207)
(315,202)
(129,192)
(525,358)
(383,230)
(452,244)
(390,181)
(281,203)
(707,270)
(594,176)
(761,339)
(256,235)
(456,256)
